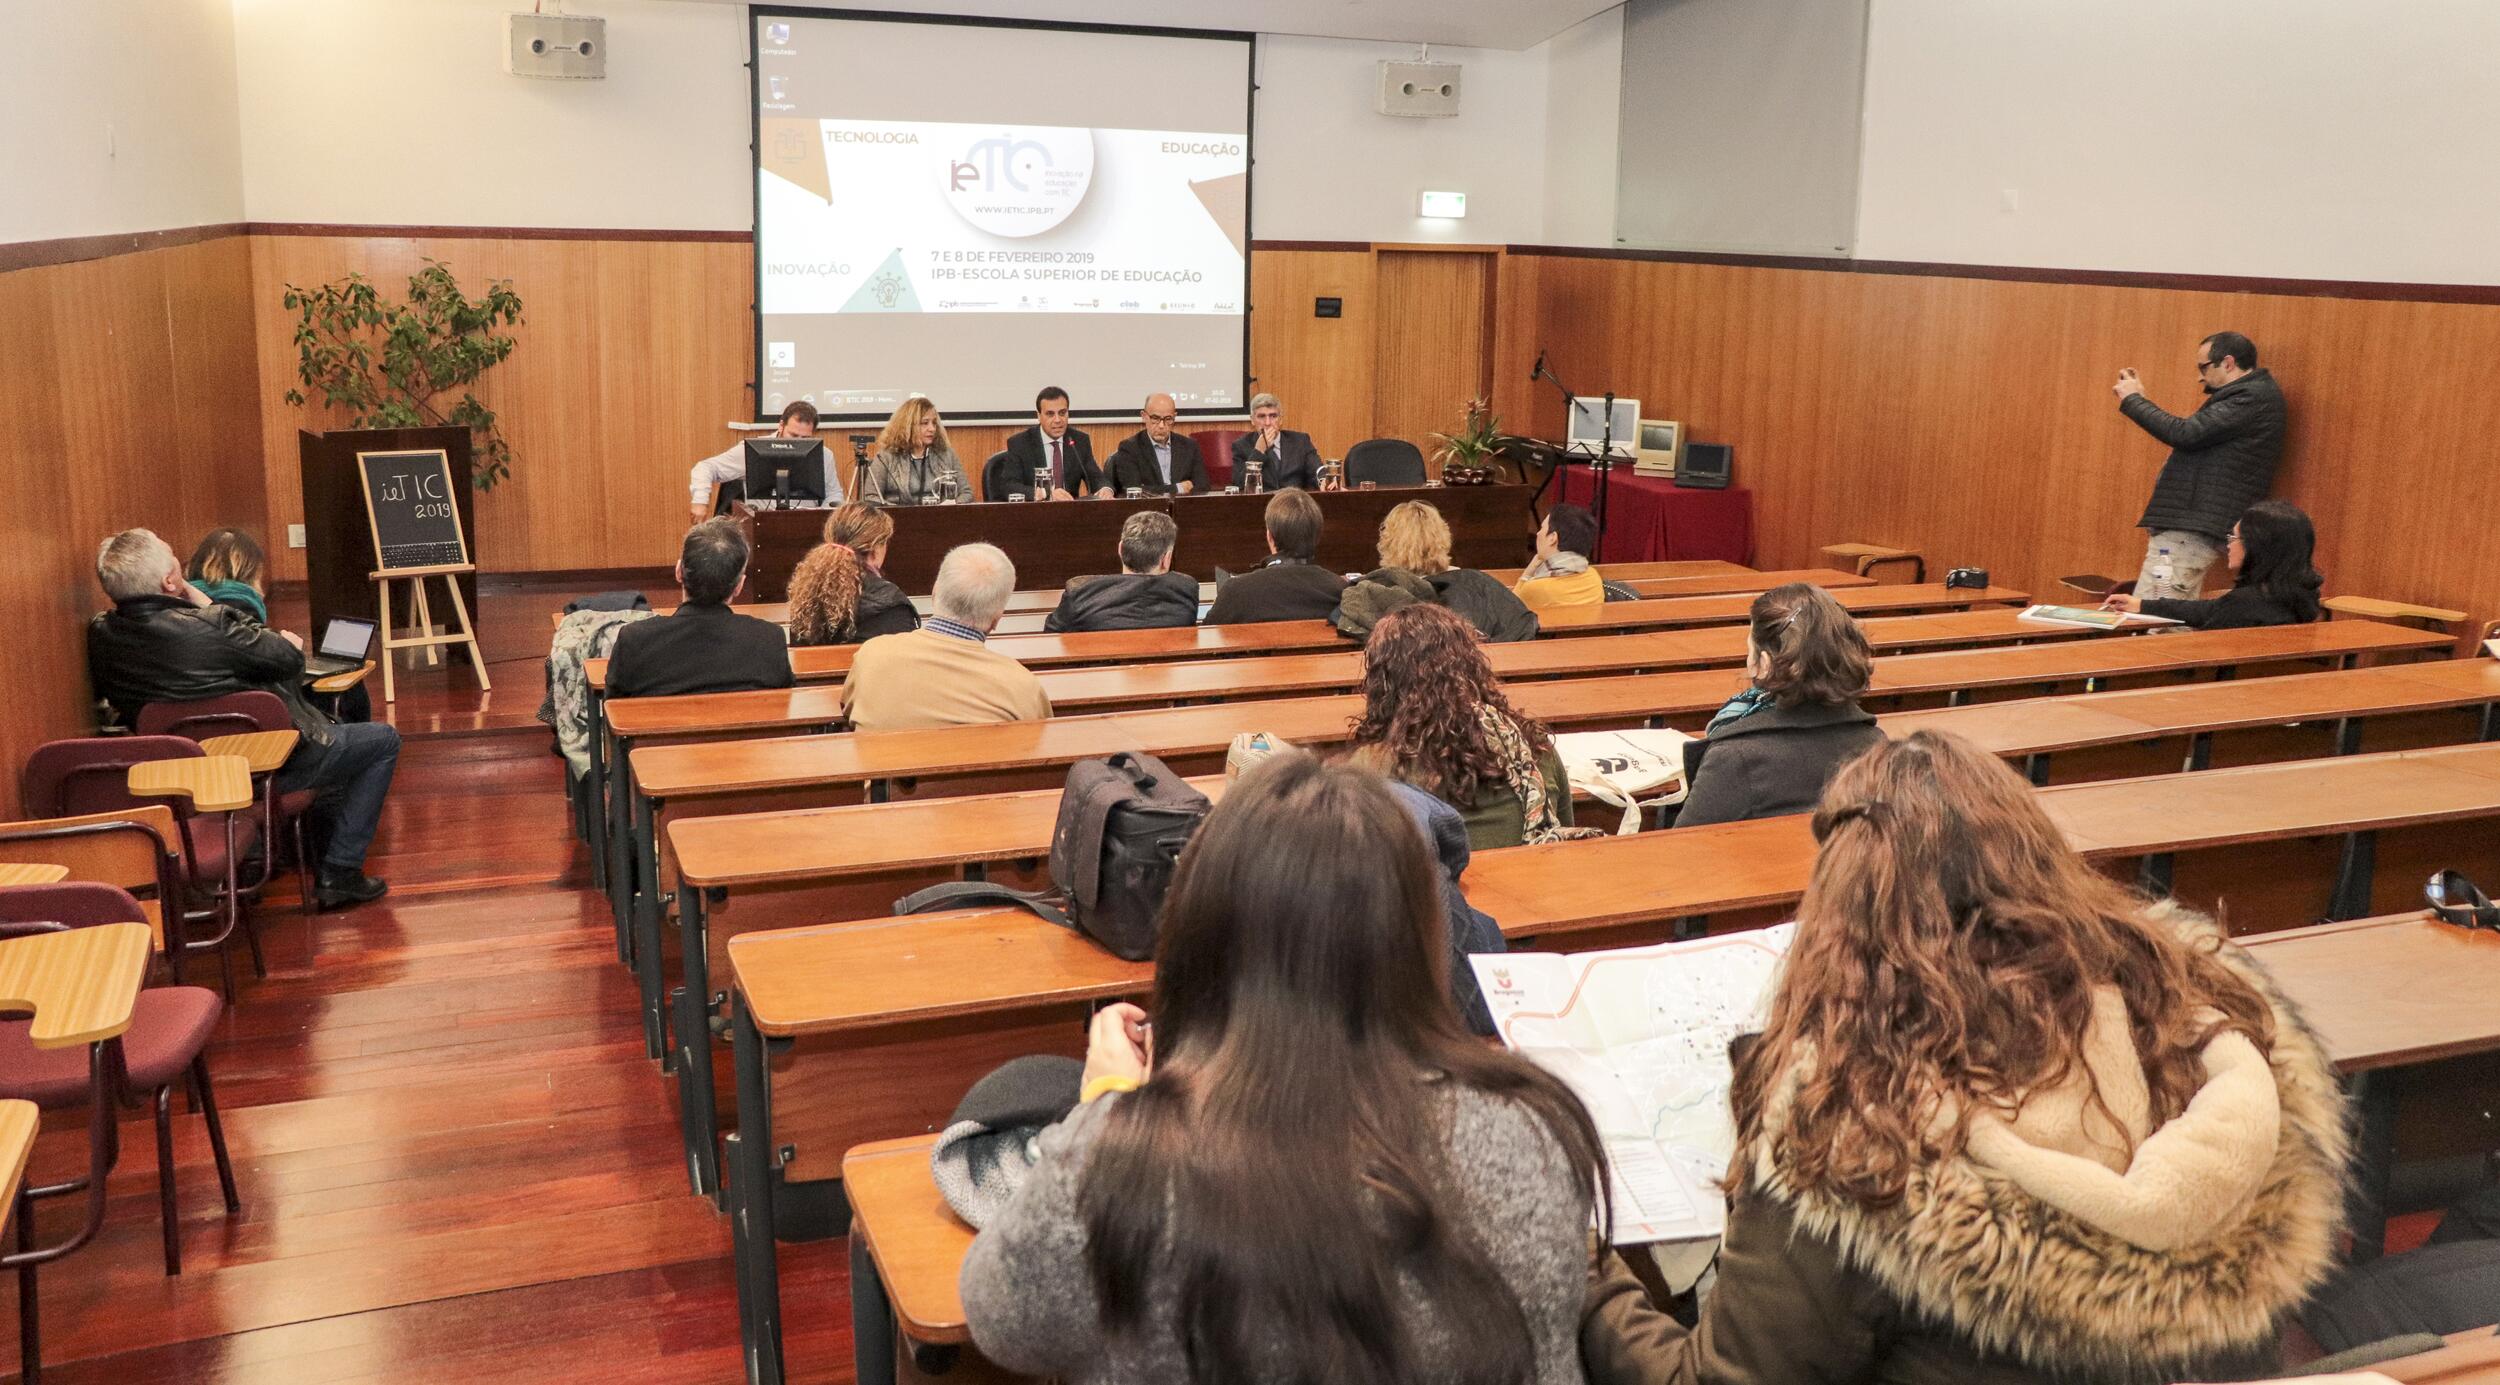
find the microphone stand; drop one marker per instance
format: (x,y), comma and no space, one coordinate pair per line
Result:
(1602,465)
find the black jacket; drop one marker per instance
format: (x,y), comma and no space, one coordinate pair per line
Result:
(1295,462)
(1079,474)
(1133,466)
(704,647)
(1279,589)
(1489,606)
(1773,762)
(1126,601)
(163,649)
(2222,457)
(882,609)
(2240,608)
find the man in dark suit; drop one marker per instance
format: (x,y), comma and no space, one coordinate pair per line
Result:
(1287,460)
(1157,460)
(705,646)
(1067,451)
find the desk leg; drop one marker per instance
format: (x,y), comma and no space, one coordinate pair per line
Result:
(2354,877)
(595,808)
(872,1317)
(751,1202)
(2491,722)
(2373,1163)
(693,1014)
(620,830)
(643,900)
(2200,752)
(2155,874)
(2348,736)
(2036,769)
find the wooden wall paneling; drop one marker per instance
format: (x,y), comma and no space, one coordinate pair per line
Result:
(215,388)
(1517,337)
(1322,368)
(1433,344)
(44,580)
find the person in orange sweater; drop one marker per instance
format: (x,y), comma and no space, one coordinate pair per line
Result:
(1561,574)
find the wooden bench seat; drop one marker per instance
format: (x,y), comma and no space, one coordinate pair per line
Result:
(2339,974)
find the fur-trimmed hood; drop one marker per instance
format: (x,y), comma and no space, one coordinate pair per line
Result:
(2049,1243)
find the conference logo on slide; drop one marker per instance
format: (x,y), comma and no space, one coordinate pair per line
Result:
(1019,181)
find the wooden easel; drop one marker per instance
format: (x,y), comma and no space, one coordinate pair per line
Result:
(429,641)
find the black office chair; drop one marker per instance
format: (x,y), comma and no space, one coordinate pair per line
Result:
(1386,461)
(1001,478)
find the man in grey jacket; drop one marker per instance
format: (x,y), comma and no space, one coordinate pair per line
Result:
(2222,460)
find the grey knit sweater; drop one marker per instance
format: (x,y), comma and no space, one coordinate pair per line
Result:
(1030,1302)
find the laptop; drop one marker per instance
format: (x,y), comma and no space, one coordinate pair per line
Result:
(345,644)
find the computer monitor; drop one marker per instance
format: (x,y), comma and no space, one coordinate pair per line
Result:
(1662,444)
(1587,433)
(785,471)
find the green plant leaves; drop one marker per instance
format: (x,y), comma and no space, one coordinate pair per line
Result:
(388,364)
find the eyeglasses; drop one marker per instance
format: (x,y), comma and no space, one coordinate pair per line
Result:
(1162,418)
(2203,366)
(2235,538)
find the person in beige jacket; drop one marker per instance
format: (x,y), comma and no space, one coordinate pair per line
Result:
(945,673)
(2008,1124)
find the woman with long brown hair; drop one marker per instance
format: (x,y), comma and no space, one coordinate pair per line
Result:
(1773,747)
(1303,1169)
(915,464)
(1434,716)
(838,595)
(2008,1122)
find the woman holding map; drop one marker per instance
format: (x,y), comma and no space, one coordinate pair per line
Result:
(2008,1122)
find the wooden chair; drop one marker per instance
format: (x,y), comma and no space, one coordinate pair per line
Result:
(137,851)
(166,1043)
(1868,556)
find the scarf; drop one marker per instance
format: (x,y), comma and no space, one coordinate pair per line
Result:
(1739,707)
(1520,773)
(236,594)
(1562,564)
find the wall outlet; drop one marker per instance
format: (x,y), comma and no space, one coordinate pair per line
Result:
(295,536)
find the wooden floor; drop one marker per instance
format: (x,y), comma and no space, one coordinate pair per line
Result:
(454,1159)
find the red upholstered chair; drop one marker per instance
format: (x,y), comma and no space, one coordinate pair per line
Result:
(92,775)
(165,1044)
(233,714)
(1215,445)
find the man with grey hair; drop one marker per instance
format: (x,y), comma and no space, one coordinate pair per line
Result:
(164,641)
(1154,460)
(1285,459)
(944,673)
(1146,595)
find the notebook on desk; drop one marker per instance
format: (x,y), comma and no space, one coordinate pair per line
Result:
(345,644)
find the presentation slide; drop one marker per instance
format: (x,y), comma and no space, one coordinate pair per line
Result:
(974,211)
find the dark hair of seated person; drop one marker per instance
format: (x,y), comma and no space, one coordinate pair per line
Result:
(1284,1175)
(1426,687)
(2278,550)
(1816,651)
(714,556)
(226,555)
(1575,530)
(1293,523)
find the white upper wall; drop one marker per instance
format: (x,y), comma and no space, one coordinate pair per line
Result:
(120,117)
(1331,167)
(399,112)
(1583,120)
(2302,138)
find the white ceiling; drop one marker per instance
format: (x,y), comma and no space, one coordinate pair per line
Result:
(1467,23)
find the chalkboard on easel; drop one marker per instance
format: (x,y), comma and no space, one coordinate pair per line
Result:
(410,501)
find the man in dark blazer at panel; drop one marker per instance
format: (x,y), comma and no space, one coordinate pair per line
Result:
(1067,451)
(1287,460)
(1156,460)
(705,646)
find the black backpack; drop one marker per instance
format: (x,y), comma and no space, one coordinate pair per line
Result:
(1122,824)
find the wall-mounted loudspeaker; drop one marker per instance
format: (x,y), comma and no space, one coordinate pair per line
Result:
(1706,466)
(1419,89)
(569,46)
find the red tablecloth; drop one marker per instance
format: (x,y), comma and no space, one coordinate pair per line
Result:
(1650,520)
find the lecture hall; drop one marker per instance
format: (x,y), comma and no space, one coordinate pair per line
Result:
(1439,692)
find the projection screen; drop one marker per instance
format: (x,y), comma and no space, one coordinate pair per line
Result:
(972,210)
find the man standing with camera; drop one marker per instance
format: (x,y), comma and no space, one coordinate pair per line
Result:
(2222,460)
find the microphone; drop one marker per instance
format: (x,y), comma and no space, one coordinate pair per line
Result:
(1538,373)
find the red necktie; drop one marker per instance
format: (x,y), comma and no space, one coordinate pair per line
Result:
(1056,466)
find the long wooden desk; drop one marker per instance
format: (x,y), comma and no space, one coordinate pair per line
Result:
(907,1246)
(975,987)
(681,773)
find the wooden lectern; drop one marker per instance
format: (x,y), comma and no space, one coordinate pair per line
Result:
(338,534)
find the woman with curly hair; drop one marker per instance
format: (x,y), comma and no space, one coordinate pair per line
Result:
(2008,1123)
(1434,717)
(837,595)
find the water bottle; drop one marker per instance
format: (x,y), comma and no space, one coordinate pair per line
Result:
(2163,568)
(1041,482)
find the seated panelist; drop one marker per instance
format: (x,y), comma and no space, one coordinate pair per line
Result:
(914,460)
(1156,460)
(1286,459)
(1068,452)
(798,420)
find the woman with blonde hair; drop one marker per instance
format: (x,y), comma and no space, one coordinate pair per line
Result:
(1415,557)
(2008,1124)
(915,464)
(1773,747)
(839,594)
